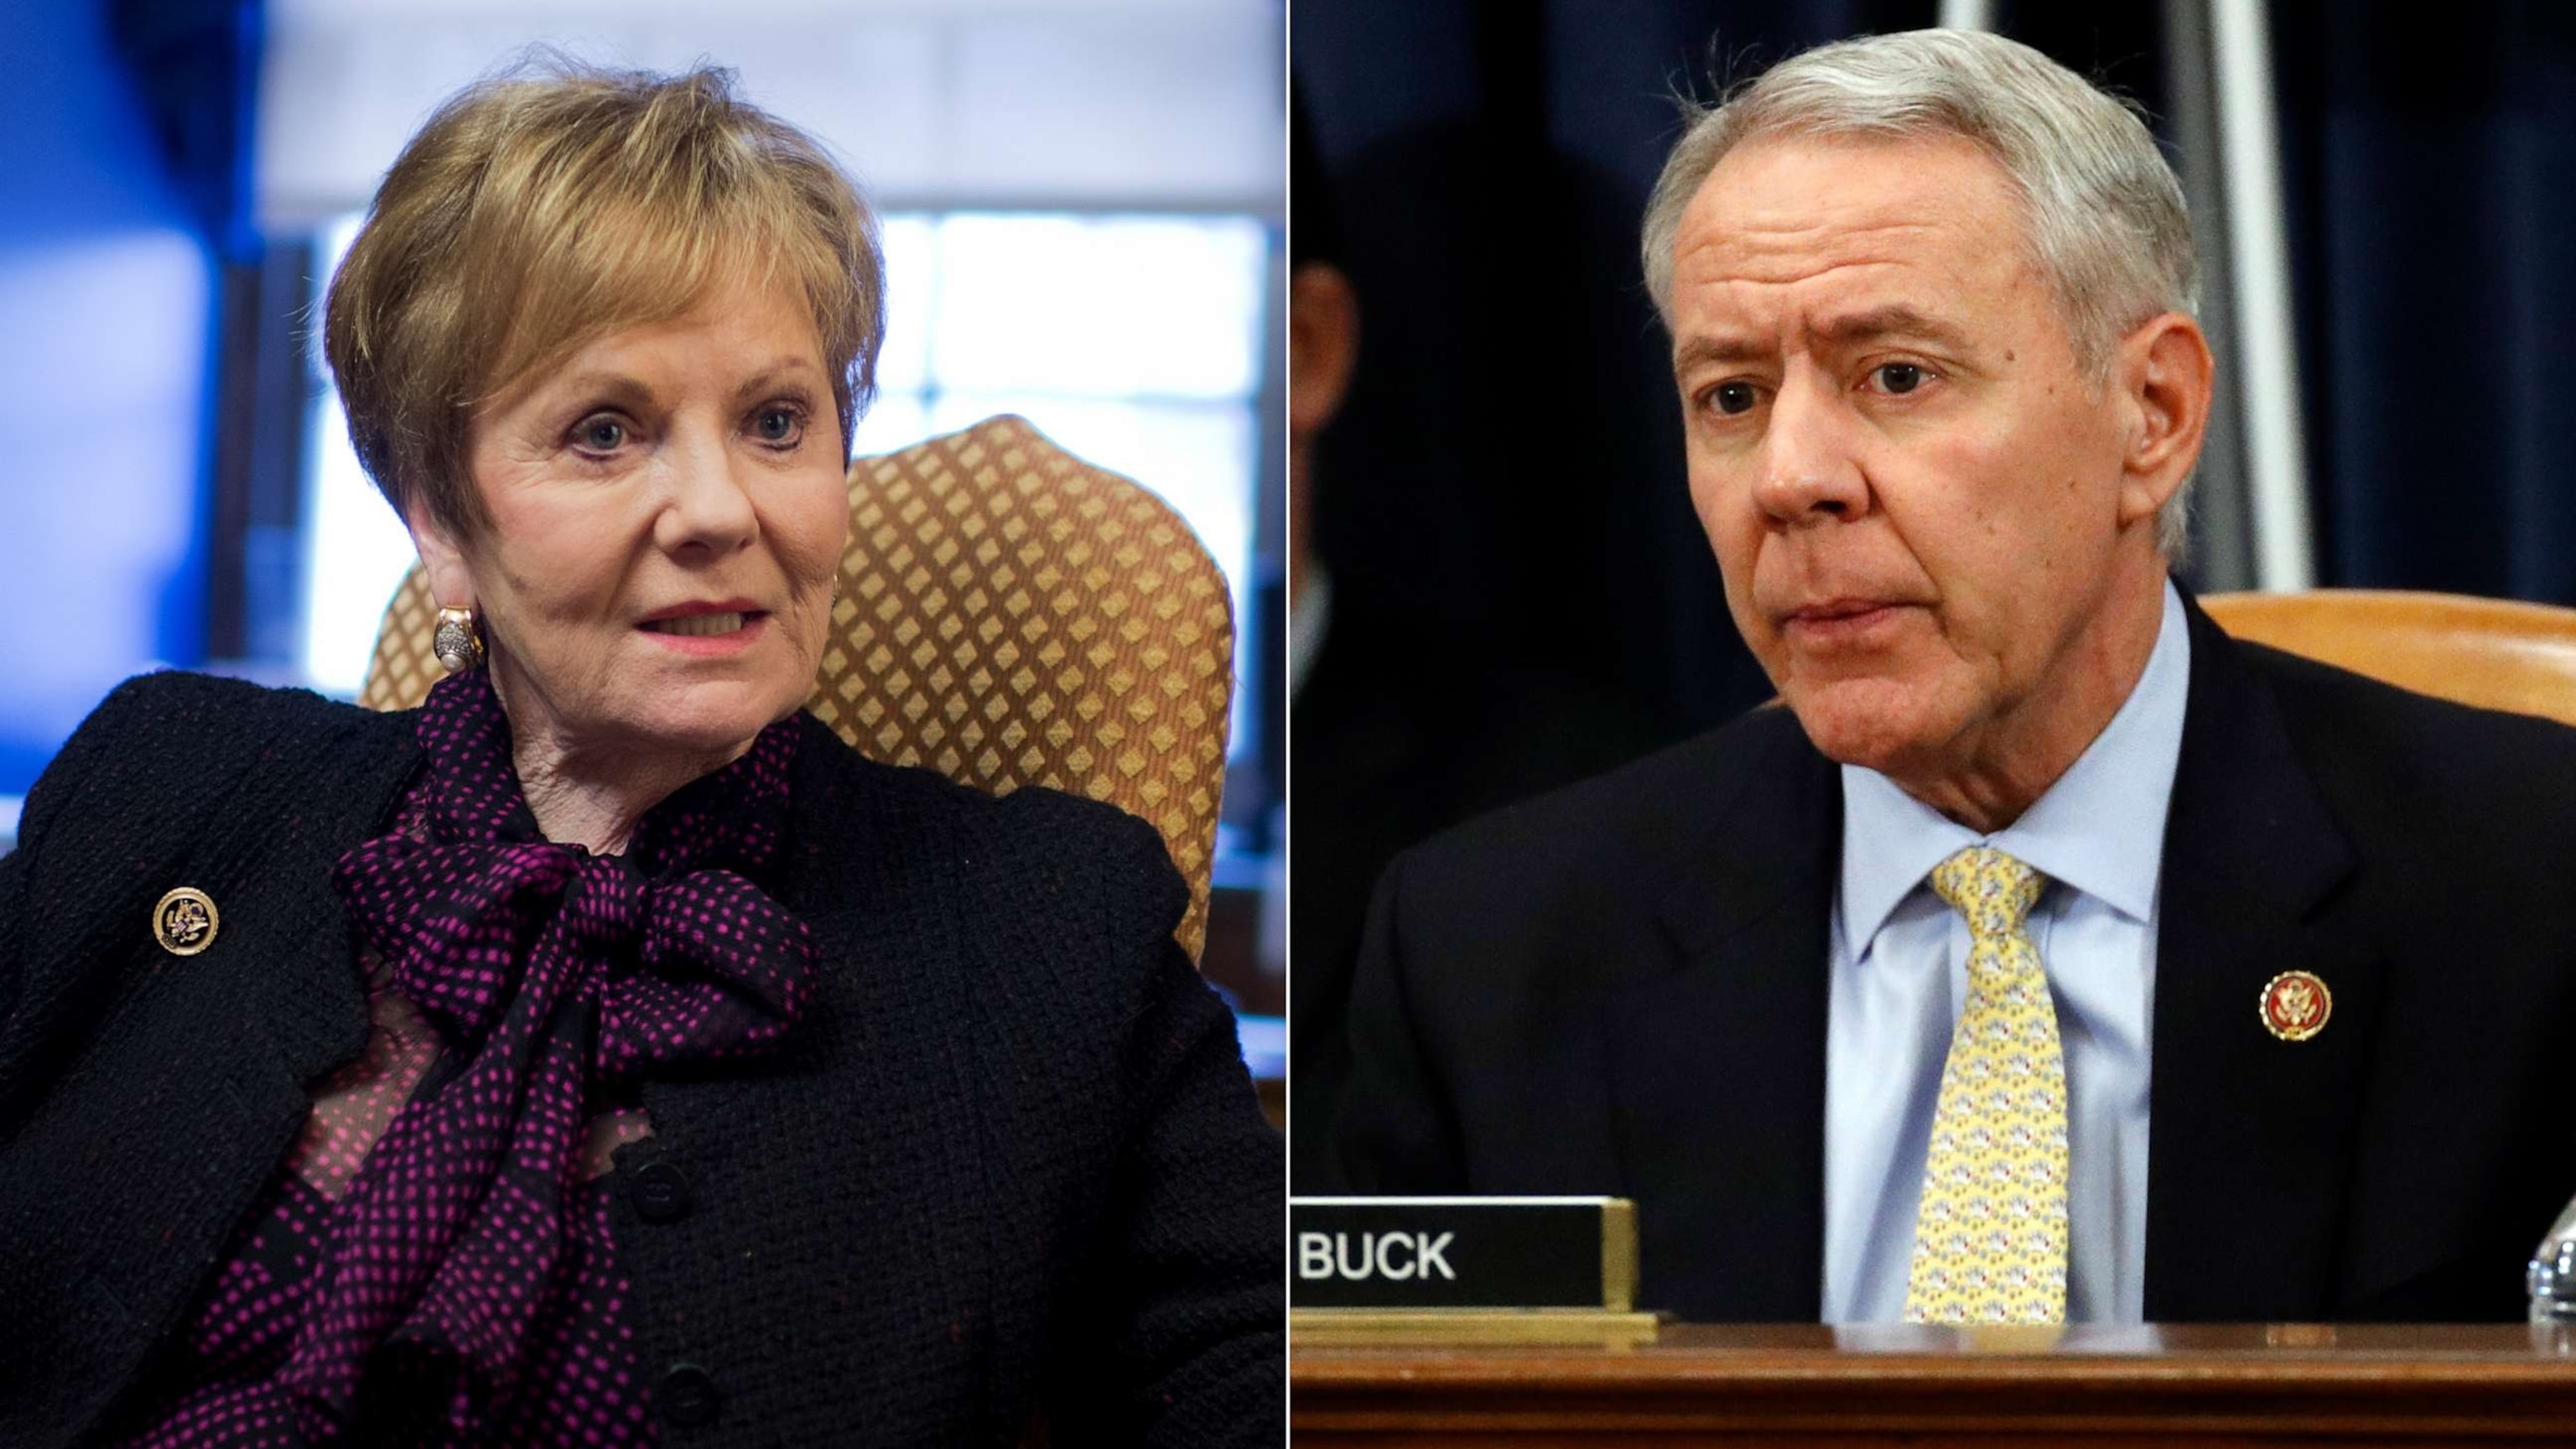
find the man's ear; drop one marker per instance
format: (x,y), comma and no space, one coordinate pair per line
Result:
(451,584)
(2163,377)
(1323,344)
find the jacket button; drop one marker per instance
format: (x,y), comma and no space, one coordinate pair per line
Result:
(660,1193)
(688,1396)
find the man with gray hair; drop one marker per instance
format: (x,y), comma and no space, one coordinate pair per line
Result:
(1876,1004)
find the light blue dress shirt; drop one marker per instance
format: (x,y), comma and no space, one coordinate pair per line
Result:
(1899,957)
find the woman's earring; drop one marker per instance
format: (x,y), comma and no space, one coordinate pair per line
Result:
(458,644)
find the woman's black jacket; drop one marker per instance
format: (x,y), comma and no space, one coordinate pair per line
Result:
(1007,1163)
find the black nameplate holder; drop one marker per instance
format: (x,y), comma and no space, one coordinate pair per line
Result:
(1365,1269)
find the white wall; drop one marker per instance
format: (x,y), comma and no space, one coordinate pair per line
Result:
(933,103)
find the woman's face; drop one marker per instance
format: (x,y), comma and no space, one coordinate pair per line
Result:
(666,515)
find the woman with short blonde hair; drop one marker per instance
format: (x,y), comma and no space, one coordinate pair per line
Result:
(604,1049)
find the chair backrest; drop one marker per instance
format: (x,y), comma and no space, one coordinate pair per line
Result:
(2492,653)
(1009,615)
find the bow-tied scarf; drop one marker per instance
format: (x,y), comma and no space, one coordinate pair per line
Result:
(550,973)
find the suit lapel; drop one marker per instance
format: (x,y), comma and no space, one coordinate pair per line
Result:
(313,998)
(2249,1134)
(1718,1082)
(289,992)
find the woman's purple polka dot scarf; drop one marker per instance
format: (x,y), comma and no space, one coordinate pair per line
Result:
(551,973)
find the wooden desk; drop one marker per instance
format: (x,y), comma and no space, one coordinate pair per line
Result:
(1808,1385)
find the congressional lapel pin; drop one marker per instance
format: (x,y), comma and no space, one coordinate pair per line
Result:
(185,921)
(2296,1005)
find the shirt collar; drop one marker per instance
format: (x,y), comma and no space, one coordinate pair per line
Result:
(1310,613)
(2100,828)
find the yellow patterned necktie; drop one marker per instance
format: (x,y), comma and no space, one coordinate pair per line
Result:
(1990,1234)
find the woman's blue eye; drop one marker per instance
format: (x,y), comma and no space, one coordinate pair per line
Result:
(602,435)
(1900,376)
(1733,397)
(777,425)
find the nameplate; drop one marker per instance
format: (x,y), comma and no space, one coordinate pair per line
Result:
(1462,1252)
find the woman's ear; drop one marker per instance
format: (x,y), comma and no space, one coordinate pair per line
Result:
(451,584)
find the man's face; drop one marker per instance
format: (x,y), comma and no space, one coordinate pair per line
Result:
(1915,494)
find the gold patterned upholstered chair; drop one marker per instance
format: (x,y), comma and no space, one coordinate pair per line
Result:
(1009,615)
(2492,653)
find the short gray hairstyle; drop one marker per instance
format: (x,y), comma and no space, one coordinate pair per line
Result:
(2103,213)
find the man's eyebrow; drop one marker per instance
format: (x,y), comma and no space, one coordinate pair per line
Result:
(1704,350)
(1895,319)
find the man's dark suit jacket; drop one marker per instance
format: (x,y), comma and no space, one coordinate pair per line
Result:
(1008,1156)
(1621,988)
(1395,738)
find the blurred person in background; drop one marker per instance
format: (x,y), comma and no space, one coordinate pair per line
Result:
(605,1045)
(1398,727)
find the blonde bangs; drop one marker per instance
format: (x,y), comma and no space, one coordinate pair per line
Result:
(615,271)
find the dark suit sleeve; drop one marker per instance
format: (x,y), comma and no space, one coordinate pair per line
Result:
(13,915)
(118,720)
(1190,1348)
(162,758)
(1393,1132)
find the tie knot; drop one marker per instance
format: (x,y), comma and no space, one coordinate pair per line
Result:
(1993,890)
